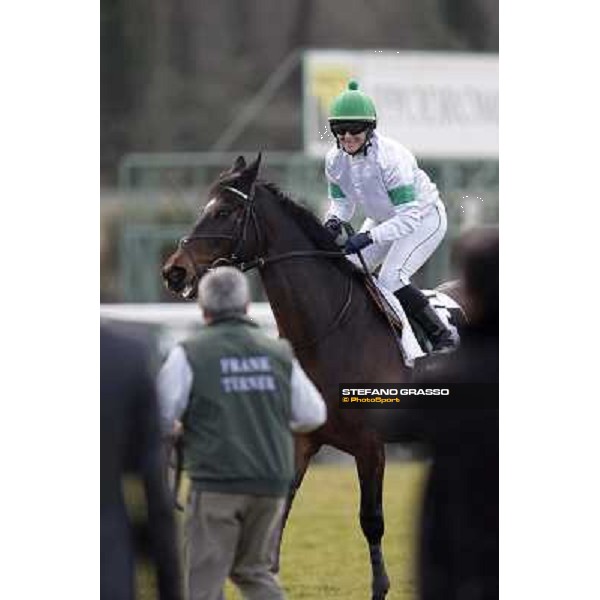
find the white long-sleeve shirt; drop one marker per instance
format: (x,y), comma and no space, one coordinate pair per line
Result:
(175,378)
(387,183)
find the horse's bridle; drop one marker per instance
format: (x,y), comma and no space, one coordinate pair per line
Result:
(234,259)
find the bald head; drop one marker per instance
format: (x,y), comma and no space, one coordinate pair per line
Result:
(223,292)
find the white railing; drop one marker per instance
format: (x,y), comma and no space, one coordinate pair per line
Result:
(175,321)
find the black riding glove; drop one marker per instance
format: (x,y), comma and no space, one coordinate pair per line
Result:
(357,242)
(334,226)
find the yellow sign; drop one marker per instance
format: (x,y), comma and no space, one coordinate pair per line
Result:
(326,82)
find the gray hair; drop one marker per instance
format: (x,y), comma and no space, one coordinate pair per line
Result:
(223,291)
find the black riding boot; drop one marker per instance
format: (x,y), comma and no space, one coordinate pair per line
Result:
(418,308)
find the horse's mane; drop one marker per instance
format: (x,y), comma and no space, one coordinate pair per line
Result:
(310,224)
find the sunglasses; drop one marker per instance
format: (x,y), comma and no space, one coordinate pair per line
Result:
(351,128)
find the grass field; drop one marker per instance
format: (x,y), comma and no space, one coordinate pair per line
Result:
(325,555)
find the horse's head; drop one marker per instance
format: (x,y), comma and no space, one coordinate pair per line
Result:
(225,232)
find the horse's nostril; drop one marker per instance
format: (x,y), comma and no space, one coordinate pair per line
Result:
(176,274)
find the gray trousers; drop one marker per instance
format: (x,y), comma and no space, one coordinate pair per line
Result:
(230,535)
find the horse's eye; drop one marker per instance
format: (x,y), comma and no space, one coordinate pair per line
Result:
(224,212)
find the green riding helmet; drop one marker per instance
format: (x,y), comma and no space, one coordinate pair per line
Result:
(353,105)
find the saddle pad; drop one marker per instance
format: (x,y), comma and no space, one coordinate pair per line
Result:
(448,310)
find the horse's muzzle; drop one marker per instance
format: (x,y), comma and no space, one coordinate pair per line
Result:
(177,281)
(174,278)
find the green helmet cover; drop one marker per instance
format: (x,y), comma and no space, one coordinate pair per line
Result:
(352,105)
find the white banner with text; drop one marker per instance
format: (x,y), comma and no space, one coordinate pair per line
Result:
(438,104)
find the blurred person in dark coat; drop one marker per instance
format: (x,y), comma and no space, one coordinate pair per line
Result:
(130,444)
(459,533)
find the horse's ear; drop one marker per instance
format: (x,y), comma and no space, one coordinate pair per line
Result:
(239,164)
(253,168)
(249,174)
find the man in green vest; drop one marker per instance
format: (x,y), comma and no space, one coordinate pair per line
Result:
(239,395)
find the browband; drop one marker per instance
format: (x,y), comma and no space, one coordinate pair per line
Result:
(232,189)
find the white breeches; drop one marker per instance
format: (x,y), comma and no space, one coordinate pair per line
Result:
(404,257)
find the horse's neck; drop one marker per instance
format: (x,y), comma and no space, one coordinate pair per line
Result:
(305,293)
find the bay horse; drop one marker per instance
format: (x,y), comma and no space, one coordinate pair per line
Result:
(321,306)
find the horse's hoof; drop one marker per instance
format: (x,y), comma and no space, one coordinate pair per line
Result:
(379,592)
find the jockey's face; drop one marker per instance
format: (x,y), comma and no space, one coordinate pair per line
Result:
(352,143)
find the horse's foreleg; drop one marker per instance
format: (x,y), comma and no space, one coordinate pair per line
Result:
(370,465)
(305,449)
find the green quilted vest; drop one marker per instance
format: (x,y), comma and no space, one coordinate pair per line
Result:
(236,427)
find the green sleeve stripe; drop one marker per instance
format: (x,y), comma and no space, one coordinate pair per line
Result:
(402,194)
(335,191)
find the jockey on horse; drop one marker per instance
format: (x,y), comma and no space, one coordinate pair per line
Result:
(405,218)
